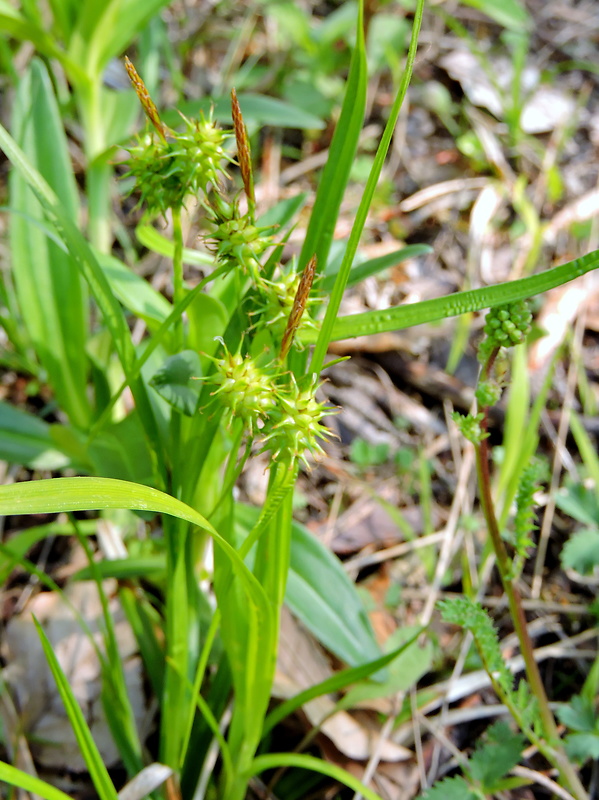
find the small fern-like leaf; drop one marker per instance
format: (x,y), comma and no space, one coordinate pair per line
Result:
(450,789)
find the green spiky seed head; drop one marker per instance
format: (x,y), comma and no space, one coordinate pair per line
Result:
(237,241)
(244,389)
(166,171)
(295,424)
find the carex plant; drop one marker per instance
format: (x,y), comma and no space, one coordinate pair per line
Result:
(246,393)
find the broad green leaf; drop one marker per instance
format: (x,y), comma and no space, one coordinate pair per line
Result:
(149,237)
(177,381)
(580,502)
(135,294)
(337,682)
(336,172)
(208,319)
(511,14)
(87,747)
(404,671)
(52,298)
(104,29)
(581,551)
(579,714)
(450,789)
(582,746)
(15,777)
(406,316)
(257,109)
(496,756)
(322,596)
(26,439)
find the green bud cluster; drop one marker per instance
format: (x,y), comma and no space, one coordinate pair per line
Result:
(487,393)
(470,426)
(509,324)
(166,171)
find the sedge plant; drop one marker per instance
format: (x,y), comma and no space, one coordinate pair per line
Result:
(226,370)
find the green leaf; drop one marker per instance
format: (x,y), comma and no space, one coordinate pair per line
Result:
(406,316)
(257,109)
(450,789)
(582,746)
(336,683)
(52,298)
(89,752)
(321,595)
(15,777)
(325,600)
(411,664)
(373,266)
(135,294)
(581,551)
(579,714)
(336,172)
(302,761)
(26,439)
(579,502)
(176,381)
(149,237)
(495,757)
(330,319)
(510,13)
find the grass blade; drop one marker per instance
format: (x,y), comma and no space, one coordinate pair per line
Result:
(16,777)
(335,175)
(394,319)
(326,332)
(89,751)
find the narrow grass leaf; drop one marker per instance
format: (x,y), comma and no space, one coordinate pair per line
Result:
(335,683)
(406,316)
(336,172)
(89,752)
(373,266)
(327,333)
(22,780)
(302,761)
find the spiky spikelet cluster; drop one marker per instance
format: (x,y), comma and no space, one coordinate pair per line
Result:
(294,425)
(277,298)
(168,170)
(470,426)
(244,389)
(236,241)
(271,404)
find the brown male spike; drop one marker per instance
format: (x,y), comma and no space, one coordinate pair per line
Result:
(146,101)
(243,151)
(299,304)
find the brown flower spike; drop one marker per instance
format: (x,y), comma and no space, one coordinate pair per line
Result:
(299,305)
(243,150)
(146,101)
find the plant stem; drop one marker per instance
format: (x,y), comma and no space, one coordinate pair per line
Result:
(178,290)
(514,599)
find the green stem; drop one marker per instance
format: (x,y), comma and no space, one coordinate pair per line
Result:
(514,599)
(178,289)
